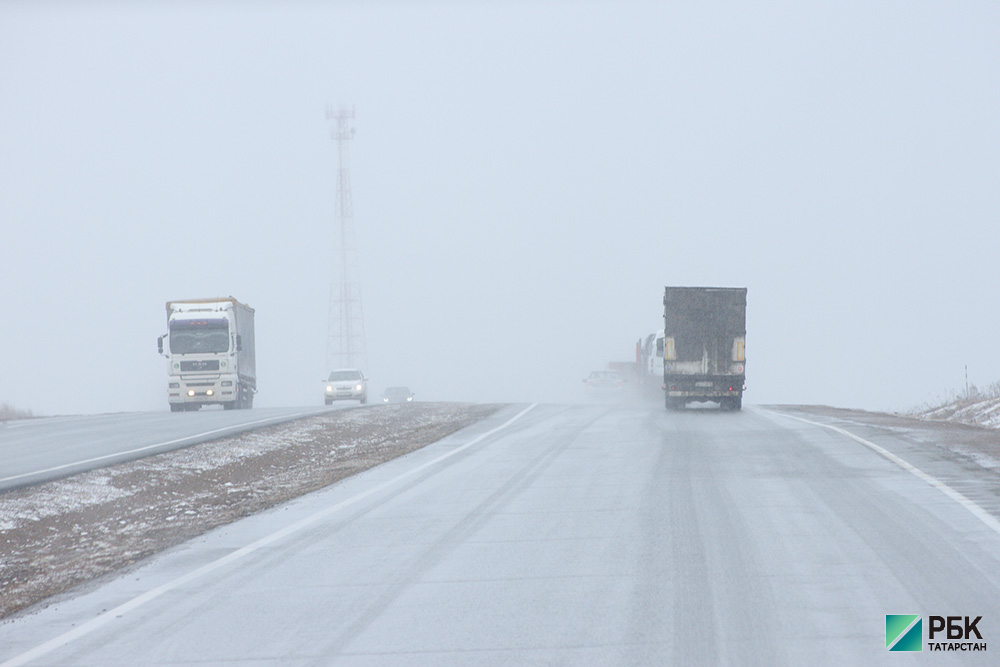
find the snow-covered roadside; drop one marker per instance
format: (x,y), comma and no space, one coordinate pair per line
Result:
(54,536)
(974,412)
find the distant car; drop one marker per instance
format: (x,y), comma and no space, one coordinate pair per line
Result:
(397,395)
(604,380)
(346,384)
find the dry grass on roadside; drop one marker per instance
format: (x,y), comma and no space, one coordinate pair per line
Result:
(974,406)
(8,412)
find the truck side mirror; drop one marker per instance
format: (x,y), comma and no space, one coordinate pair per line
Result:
(239,343)
(159,344)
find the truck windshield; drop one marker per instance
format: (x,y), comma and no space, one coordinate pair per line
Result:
(199,336)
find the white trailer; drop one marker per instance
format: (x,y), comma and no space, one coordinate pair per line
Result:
(209,346)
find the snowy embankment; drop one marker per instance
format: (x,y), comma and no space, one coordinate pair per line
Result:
(979,411)
(56,535)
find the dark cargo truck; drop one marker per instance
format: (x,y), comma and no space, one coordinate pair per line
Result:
(704,341)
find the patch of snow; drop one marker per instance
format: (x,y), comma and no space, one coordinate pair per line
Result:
(74,493)
(985,412)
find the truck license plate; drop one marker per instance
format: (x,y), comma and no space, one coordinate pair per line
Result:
(703,384)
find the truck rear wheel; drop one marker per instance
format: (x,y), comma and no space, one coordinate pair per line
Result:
(731,403)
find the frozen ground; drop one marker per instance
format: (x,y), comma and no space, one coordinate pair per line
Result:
(61,534)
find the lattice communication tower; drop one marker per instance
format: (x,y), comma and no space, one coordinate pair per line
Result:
(345,341)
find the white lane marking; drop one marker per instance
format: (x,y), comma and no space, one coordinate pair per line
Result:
(159,444)
(136,602)
(977,511)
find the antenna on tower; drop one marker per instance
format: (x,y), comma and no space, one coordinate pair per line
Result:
(345,341)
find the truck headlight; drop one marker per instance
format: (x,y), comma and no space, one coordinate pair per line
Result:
(190,392)
(209,392)
(227,383)
(175,385)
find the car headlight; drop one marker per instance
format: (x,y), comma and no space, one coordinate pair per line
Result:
(357,388)
(329,387)
(409,398)
(385,400)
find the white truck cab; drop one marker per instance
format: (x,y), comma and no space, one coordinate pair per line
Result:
(209,346)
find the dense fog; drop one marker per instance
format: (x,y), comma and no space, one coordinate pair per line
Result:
(526,178)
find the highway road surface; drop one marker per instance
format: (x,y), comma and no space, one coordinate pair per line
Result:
(574,535)
(39,450)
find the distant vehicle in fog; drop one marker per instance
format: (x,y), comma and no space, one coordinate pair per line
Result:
(210,354)
(604,380)
(397,395)
(650,355)
(346,384)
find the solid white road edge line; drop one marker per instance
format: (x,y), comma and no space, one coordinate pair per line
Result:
(977,511)
(159,444)
(136,602)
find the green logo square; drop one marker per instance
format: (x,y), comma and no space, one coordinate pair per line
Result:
(904,632)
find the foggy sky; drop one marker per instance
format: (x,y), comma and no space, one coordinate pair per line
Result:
(526,179)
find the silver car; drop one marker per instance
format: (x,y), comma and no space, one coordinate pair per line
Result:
(346,384)
(604,380)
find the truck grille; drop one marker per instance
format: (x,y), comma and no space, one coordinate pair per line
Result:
(201,365)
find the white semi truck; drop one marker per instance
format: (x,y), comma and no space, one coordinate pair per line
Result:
(209,346)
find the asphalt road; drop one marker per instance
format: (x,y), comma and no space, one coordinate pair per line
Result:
(598,535)
(39,450)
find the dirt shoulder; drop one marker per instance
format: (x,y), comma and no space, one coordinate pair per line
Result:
(60,534)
